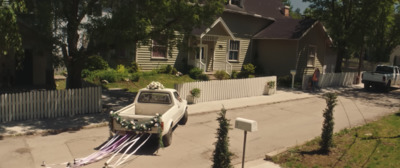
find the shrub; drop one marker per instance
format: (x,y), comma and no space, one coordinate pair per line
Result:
(247,70)
(85,73)
(133,67)
(96,62)
(285,81)
(221,75)
(221,155)
(134,77)
(110,75)
(195,92)
(195,73)
(234,74)
(204,77)
(121,68)
(165,69)
(327,127)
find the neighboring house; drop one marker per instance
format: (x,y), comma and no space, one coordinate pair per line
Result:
(250,31)
(34,69)
(395,56)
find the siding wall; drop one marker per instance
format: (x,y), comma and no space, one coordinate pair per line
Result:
(143,58)
(276,57)
(221,54)
(316,37)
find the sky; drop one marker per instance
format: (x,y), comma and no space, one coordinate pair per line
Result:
(299,4)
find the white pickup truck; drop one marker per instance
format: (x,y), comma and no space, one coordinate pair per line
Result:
(155,111)
(384,77)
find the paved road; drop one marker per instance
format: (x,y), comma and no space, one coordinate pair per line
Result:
(281,125)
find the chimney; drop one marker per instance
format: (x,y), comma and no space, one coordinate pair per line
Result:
(286,11)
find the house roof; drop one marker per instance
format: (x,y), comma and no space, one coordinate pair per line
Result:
(219,27)
(287,28)
(265,8)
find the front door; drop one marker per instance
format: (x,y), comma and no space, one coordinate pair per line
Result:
(201,55)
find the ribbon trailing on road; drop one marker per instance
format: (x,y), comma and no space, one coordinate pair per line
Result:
(114,146)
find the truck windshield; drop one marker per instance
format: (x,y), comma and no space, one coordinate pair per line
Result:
(154,97)
(384,69)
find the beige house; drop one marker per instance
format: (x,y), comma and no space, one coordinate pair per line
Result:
(250,31)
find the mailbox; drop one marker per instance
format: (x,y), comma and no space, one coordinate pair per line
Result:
(246,124)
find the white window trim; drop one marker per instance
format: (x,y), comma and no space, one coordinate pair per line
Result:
(158,58)
(229,50)
(315,55)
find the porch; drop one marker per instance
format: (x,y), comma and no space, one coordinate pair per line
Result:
(210,48)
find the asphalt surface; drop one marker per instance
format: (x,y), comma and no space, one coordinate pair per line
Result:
(285,119)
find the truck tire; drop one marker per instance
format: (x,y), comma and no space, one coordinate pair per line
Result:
(167,138)
(184,119)
(387,87)
(367,86)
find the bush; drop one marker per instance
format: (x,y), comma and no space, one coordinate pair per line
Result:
(134,77)
(167,69)
(328,125)
(85,73)
(234,74)
(121,68)
(285,81)
(110,75)
(248,69)
(96,62)
(204,77)
(195,92)
(220,75)
(195,73)
(133,67)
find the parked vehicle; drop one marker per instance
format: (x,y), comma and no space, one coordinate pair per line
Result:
(384,77)
(154,111)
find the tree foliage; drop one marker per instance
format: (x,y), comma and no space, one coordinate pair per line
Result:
(124,23)
(10,38)
(355,25)
(327,127)
(222,155)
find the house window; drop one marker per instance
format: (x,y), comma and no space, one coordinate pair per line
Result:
(159,49)
(234,47)
(312,54)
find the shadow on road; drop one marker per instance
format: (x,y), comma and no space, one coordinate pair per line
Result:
(111,101)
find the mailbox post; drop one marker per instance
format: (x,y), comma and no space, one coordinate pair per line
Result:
(246,125)
(293,72)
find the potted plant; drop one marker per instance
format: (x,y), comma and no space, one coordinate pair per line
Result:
(194,93)
(269,88)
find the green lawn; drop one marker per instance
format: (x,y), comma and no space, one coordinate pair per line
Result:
(166,79)
(376,144)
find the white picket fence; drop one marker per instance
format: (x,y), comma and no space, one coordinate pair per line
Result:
(332,79)
(49,104)
(225,89)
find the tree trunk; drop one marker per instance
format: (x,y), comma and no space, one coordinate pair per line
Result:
(74,79)
(339,60)
(360,65)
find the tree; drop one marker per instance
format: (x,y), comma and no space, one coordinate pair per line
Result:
(222,155)
(296,14)
(10,38)
(130,21)
(327,127)
(351,24)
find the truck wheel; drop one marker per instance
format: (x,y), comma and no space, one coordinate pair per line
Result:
(367,86)
(167,138)
(184,119)
(387,88)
